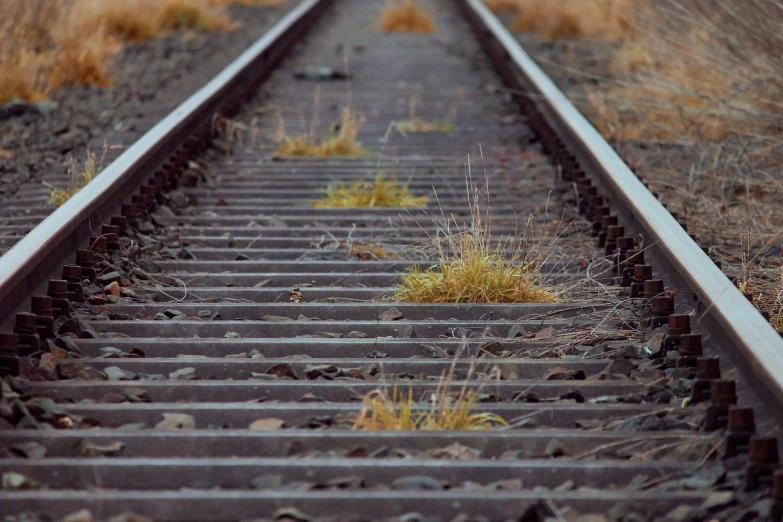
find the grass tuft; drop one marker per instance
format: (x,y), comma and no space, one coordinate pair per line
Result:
(83,60)
(777,321)
(471,270)
(48,44)
(418,125)
(415,124)
(553,19)
(503,6)
(184,15)
(255,3)
(77,179)
(444,412)
(381,192)
(128,21)
(474,272)
(371,252)
(343,143)
(405,16)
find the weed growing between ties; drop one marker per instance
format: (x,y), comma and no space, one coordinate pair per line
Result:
(405,16)
(473,267)
(77,179)
(444,411)
(371,252)
(381,192)
(342,143)
(415,124)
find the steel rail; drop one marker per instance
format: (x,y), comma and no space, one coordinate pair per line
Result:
(736,327)
(28,264)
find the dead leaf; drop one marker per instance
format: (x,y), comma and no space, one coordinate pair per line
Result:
(268,424)
(392,314)
(176,421)
(83,515)
(113,288)
(17,481)
(295,295)
(546,333)
(653,346)
(552,372)
(86,448)
(283,371)
(184,374)
(48,364)
(454,451)
(28,450)
(129,517)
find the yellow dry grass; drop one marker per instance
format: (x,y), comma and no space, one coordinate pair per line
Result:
(77,179)
(381,192)
(608,19)
(182,15)
(44,46)
(697,82)
(53,43)
(474,272)
(82,60)
(128,21)
(503,6)
(256,3)
(776,320)
(371,252)
(416,125)
(471,270)
(691,71)
(405,16)
(693,84)
(343,143)
(443,411)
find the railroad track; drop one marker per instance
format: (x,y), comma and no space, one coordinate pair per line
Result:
(209,348)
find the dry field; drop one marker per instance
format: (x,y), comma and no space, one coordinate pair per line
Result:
(686,91)
(53,43)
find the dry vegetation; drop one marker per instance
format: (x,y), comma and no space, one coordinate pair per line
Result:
(415,124)
(405,16)
(258,3)
(381,192)
(444,409)
(341,143)
(687,92)
(472,271)
(472,267)
(53,43)
(569,18)
(78,178)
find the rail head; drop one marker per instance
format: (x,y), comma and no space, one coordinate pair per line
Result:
(31,261)
(736,326)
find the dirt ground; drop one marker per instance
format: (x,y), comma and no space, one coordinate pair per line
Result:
(727,192)
(151,78)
